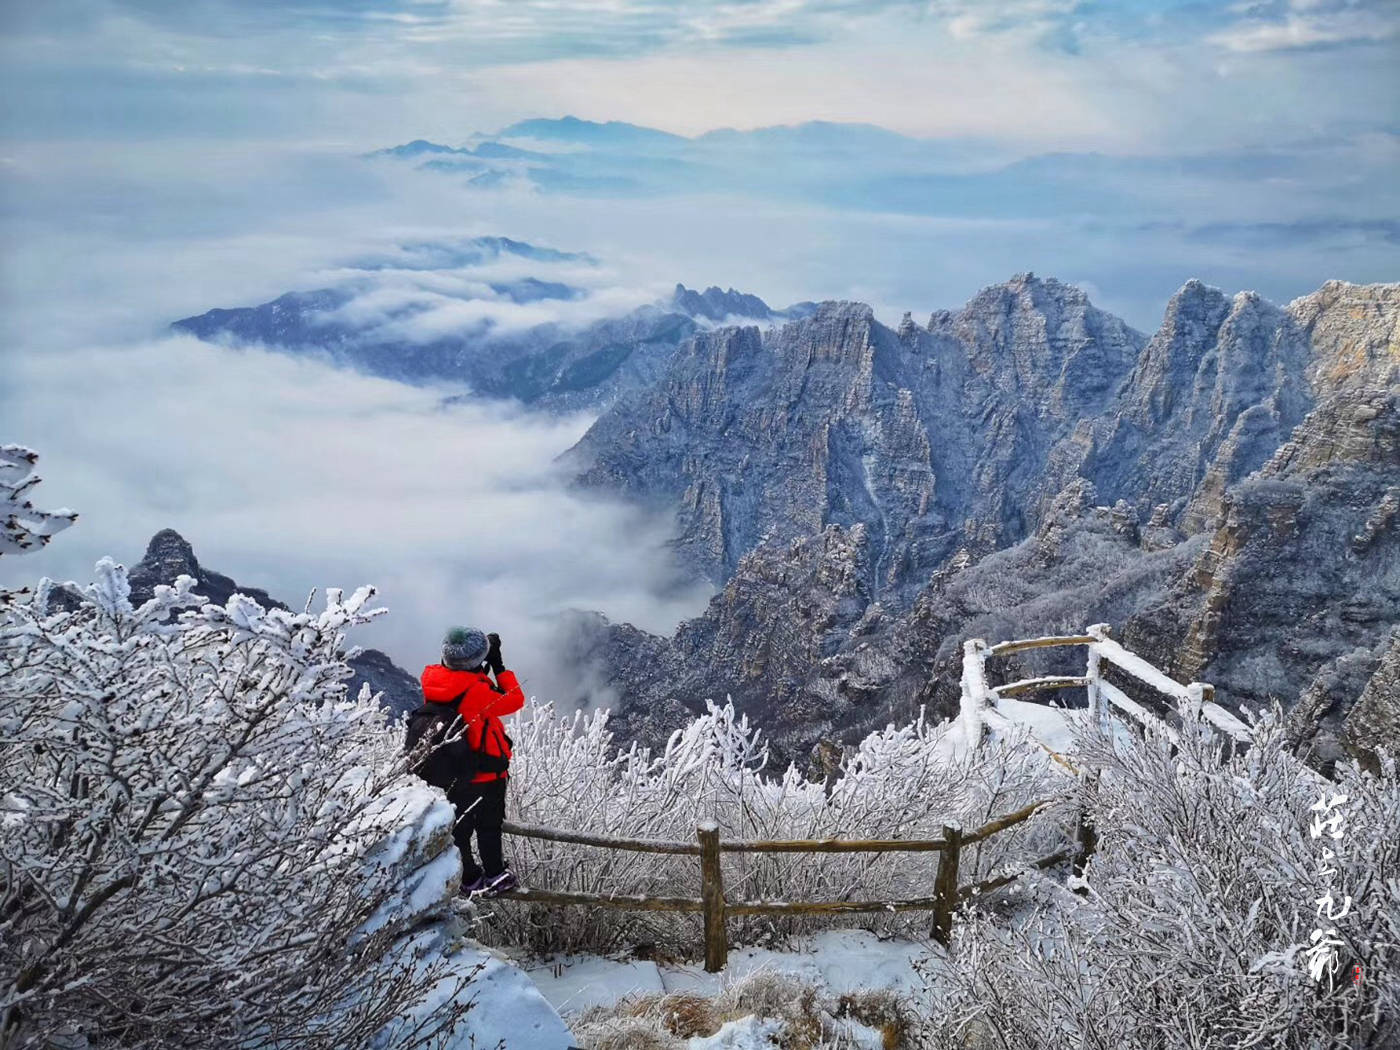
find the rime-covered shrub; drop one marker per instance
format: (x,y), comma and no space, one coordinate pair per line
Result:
(1199,911)
(203,841)
(904,782)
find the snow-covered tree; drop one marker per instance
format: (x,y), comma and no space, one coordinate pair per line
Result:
(22,527)
(1199,911)
(203,840)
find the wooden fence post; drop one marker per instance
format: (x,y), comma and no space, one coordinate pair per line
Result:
(712,897)
(1091,684)
(945,885)
(1086,839)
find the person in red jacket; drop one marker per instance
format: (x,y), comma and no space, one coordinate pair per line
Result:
(469,658)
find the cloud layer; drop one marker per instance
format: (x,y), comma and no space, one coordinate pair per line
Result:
(287,475)
(284,473)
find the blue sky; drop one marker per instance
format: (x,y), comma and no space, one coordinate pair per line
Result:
(1042,74)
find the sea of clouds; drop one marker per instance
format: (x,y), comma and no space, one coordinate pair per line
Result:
(282,471)
(285,473)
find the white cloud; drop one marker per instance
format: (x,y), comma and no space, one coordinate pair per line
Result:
(284,473)
(423,306)
(996,70)
(1309,23)
(287,474)
(1002,89)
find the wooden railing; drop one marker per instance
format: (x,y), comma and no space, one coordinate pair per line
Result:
(979,700)
(714,908)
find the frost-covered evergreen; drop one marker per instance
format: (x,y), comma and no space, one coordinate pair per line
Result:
(205,841)
(1198,912)
(22,527)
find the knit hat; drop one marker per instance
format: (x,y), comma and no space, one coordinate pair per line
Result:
(464,649)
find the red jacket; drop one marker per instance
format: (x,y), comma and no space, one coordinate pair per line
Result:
(482,706)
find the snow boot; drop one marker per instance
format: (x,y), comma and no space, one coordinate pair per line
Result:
(502,883)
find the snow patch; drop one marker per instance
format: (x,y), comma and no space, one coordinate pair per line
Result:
(575,983)
(748,1033)
(841,962)
(507,1010)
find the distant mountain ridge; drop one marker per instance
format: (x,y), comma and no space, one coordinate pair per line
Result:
(863,168)
(558,365)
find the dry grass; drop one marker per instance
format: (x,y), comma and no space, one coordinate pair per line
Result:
(613,1032)
(883,1011)
(777,996)
(685,1015)
(809,1021)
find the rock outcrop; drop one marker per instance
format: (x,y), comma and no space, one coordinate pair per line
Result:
(502,1005)
(169,555)
(716,305)
(1301,581)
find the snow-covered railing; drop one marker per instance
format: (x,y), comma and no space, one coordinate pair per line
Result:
(711,903)
(979,707)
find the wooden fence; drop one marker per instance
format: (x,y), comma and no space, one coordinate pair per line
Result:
(714,908)
(979,711)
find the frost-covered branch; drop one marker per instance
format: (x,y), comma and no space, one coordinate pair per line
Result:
(904,782)
(23,528)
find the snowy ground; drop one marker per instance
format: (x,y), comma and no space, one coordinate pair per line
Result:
(838,961)
(508,1010)
(1050,725)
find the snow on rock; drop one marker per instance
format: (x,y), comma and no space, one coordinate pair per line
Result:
(748,1033)
(422,849)
(507,1008)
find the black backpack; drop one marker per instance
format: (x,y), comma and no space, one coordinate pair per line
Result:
(440,751)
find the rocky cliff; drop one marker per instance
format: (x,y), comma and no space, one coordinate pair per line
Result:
(1299,590)
(1224,493)
(934,439)
(169,555)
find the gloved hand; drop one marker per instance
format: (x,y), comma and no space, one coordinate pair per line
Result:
(493,654)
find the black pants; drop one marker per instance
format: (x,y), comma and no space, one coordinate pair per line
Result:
(480,808)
